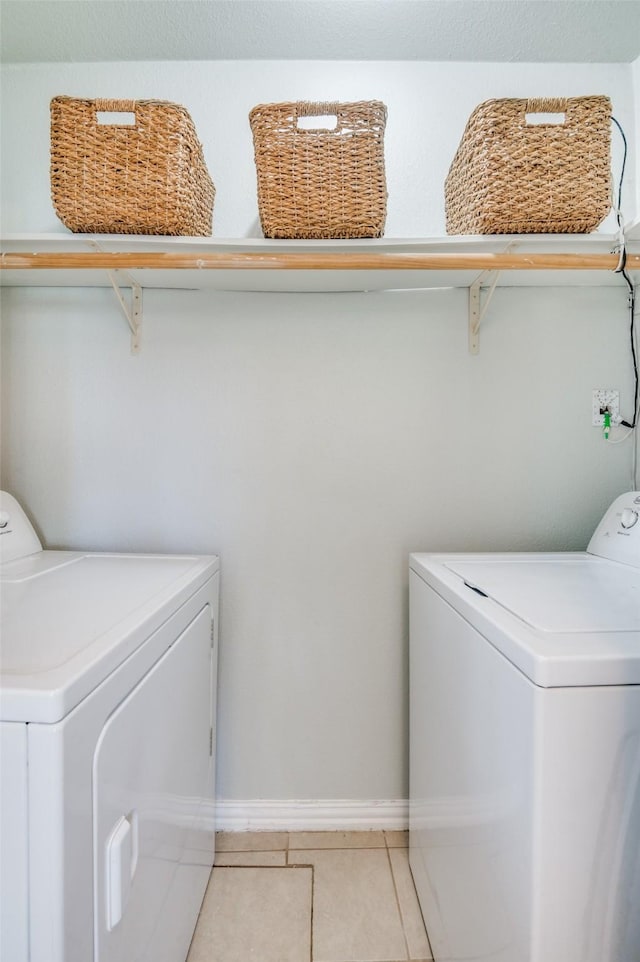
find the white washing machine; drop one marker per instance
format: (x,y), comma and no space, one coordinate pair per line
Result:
(525,749)
(107,727)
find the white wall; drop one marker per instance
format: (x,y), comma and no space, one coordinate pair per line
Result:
(635,72)
(311,440)
(428,107)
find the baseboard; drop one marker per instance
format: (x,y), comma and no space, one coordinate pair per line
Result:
(311,815)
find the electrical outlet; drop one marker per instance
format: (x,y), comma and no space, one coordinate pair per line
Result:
(605,399)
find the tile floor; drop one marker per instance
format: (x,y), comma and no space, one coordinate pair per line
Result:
(310,897)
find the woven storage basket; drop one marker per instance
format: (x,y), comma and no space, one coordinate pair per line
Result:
(320,182)
(145,178)
(511,176)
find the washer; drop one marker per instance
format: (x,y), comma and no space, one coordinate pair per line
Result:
(107,720)
(525,749)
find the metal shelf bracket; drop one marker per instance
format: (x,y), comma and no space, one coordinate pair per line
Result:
(133,312)
(477,309)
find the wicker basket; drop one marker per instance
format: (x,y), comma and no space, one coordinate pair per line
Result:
(511,176)
(320,182)
(145,178)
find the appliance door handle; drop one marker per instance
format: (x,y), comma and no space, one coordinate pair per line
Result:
(120,865)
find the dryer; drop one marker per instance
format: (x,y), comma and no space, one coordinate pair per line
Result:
(525,749)
(108,668)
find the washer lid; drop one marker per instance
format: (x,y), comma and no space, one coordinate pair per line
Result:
(69,619)
(560,595)
(565,619)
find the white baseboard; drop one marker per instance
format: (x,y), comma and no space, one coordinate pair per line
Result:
(311,815)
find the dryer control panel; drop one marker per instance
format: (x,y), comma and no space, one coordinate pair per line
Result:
(617,537)
(17,537)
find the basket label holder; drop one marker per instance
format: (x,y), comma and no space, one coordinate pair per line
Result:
(132,312)
(478,309)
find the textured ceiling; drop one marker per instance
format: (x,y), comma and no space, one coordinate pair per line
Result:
(482,30)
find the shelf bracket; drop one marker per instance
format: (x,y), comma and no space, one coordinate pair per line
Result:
(132,312)
(477,309)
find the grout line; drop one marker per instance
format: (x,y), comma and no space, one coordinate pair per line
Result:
(336,847)
(313,883)
(426,931)
(313,894)
(271,868)
(395,889)
(193,934)
(257,864)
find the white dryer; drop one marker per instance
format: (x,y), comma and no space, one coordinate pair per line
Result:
(108,668)
(525,749)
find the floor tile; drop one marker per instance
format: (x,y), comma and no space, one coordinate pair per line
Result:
(251,841)
(255,913)
(315,840)
(250,858)
(355,913)
(414,929)
(397,839)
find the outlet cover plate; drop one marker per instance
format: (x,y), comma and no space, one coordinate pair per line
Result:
(605,398)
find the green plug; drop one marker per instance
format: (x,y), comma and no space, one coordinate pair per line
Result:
(606,424)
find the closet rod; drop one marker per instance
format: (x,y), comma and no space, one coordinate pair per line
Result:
(129,260)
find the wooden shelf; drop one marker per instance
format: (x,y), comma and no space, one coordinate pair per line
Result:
(314,266)
(136,263)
